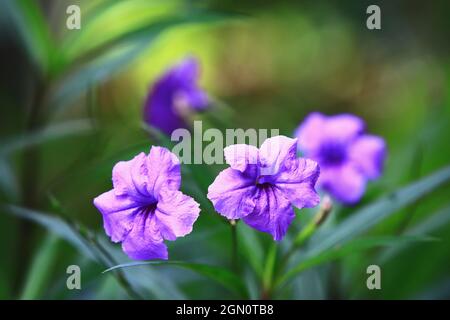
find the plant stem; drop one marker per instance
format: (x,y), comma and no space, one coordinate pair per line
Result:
(234,246)
(308,230)
(269,269)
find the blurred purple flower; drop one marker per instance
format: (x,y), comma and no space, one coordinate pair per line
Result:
(261,185)
(145,206)
(175,94)
(347,157)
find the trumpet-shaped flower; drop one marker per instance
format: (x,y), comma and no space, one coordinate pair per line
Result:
(347,156)
(174,95)
(145,206)
(262,185)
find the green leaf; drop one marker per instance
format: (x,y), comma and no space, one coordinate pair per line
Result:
(113,20)
(9,184)
(40,269)
(430,224)
(54,224)
(95,71)
(369,216)
(251,248)
(30,23)
(51,132)
(438,291)
(269,266)
(101,63)
(350,247)
(100,252)
(122,21)
(221,275)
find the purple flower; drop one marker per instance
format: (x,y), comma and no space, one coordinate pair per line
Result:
(261,185)
(145,206)
(173,96)
(347,157)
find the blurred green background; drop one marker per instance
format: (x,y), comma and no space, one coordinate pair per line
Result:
(71,107)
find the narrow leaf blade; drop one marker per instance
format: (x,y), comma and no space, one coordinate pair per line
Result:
(221,275)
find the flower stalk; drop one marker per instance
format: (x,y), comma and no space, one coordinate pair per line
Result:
(311,227)
(234,245)
(269,269)
(318,219)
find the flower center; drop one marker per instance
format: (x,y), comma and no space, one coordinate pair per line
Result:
(265,185)
(149,208)
(264,181)
(332,153)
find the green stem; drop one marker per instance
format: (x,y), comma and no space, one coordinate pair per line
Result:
(269,269)
(308,230)
(234,246)
(305,234)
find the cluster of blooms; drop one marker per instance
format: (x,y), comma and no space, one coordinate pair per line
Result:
(261,186)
